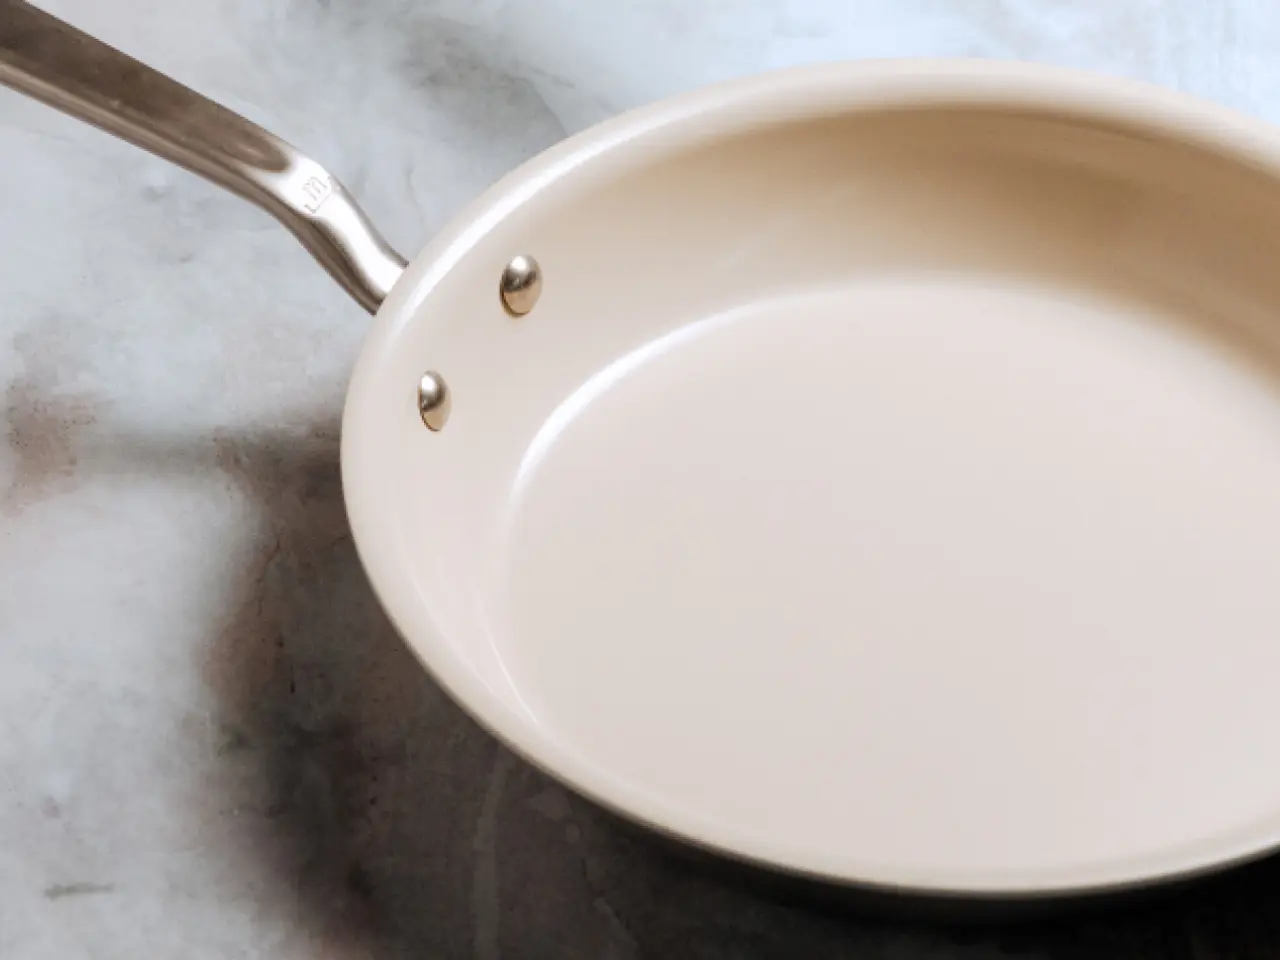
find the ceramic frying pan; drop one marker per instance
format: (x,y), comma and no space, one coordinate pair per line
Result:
(869,471)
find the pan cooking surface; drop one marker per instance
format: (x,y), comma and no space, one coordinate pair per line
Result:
(942,567)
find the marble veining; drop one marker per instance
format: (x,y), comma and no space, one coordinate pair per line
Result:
(213,745)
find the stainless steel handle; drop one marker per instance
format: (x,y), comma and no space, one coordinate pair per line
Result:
(58,65)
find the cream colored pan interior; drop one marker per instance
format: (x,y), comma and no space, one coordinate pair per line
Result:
(884,486)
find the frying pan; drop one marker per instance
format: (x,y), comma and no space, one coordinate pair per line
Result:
(869,471)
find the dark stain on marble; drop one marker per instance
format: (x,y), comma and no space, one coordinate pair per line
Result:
(44,420)
(60,891)
(232,740)
(41,432)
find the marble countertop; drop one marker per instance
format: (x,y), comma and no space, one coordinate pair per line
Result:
(213,744)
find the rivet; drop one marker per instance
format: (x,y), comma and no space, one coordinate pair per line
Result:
(434,400)
(521,285)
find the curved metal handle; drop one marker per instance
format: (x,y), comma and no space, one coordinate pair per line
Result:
(57,64)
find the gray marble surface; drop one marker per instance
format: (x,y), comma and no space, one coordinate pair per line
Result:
(213,746)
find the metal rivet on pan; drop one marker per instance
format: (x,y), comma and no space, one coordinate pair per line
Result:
(434,401)
(521,285)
